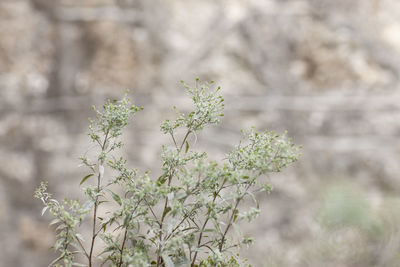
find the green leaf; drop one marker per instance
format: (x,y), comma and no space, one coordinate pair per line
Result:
(235,215)
(127,219)
(85,178)
(187,147)
(162,179)
(115,197)
(168,209)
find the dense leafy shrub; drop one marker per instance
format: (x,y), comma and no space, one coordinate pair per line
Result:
(182,218)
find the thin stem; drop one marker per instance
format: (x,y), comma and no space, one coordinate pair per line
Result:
(231,218)
(82,247)
(94,234)
(194,222)
(173,139)
(161,223)
(98,231)
(125,234)
(166,199)
(60,258)
(122,247)
(66,240)
(96,204)
(205,224)
(179,224)
(186,214)
(207,246)
(152,212)
(184,139)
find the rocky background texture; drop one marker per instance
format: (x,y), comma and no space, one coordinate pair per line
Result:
(325,71)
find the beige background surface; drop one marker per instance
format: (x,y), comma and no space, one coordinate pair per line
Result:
(326,71)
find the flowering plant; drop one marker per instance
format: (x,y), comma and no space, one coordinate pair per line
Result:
(182,218)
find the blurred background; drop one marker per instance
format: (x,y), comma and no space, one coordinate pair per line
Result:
(326,71)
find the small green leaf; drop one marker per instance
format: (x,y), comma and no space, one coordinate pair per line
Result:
(85,178)
(127,219)
(168,209)
(235,215)
(187,147)
(115,197)
(161,180)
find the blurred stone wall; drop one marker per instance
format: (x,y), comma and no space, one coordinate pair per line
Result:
(326,71)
